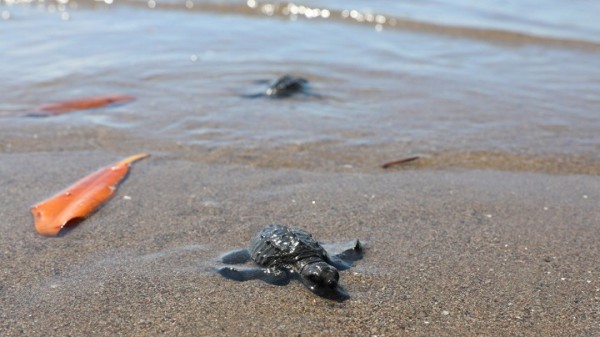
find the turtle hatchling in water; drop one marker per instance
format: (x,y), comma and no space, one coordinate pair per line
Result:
(283,87)
(286,253)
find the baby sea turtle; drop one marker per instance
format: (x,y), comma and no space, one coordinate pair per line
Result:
(284,253)
(284,87)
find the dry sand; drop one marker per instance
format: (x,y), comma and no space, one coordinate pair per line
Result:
(454,252)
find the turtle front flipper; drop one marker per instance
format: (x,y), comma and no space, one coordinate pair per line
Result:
(274,277)
(338,263)
(351,251)
(257,95)
(354,253)
(236,257)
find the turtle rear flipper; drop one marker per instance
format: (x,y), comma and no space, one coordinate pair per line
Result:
(236,257)
(274,277)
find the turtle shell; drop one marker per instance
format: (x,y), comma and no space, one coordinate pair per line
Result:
(286,86)
(282,247)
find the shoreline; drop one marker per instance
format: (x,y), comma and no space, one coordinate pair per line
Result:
(313,157)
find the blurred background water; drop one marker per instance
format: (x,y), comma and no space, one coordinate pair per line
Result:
(395,77)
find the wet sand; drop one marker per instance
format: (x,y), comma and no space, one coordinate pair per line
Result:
(449,252)
(493,231)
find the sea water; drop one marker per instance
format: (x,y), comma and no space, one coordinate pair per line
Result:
(396,77)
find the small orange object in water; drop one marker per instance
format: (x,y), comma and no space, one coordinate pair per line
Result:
(81,198)
(59,108)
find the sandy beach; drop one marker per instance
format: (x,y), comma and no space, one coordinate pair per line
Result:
(493,231)
(455,252)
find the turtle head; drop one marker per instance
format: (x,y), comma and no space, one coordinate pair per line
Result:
(320,275)
(322,279)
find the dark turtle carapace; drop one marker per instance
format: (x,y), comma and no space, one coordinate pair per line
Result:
(283,87)
(285,253)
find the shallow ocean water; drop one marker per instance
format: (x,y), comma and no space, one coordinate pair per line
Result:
(396,78)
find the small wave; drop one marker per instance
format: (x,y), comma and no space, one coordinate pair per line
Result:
(293,11)
(380,22)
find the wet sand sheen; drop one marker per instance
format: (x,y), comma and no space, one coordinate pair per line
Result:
(466,252)
(318,156)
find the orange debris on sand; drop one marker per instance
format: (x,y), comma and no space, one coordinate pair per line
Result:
(59,108)
(80,199)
